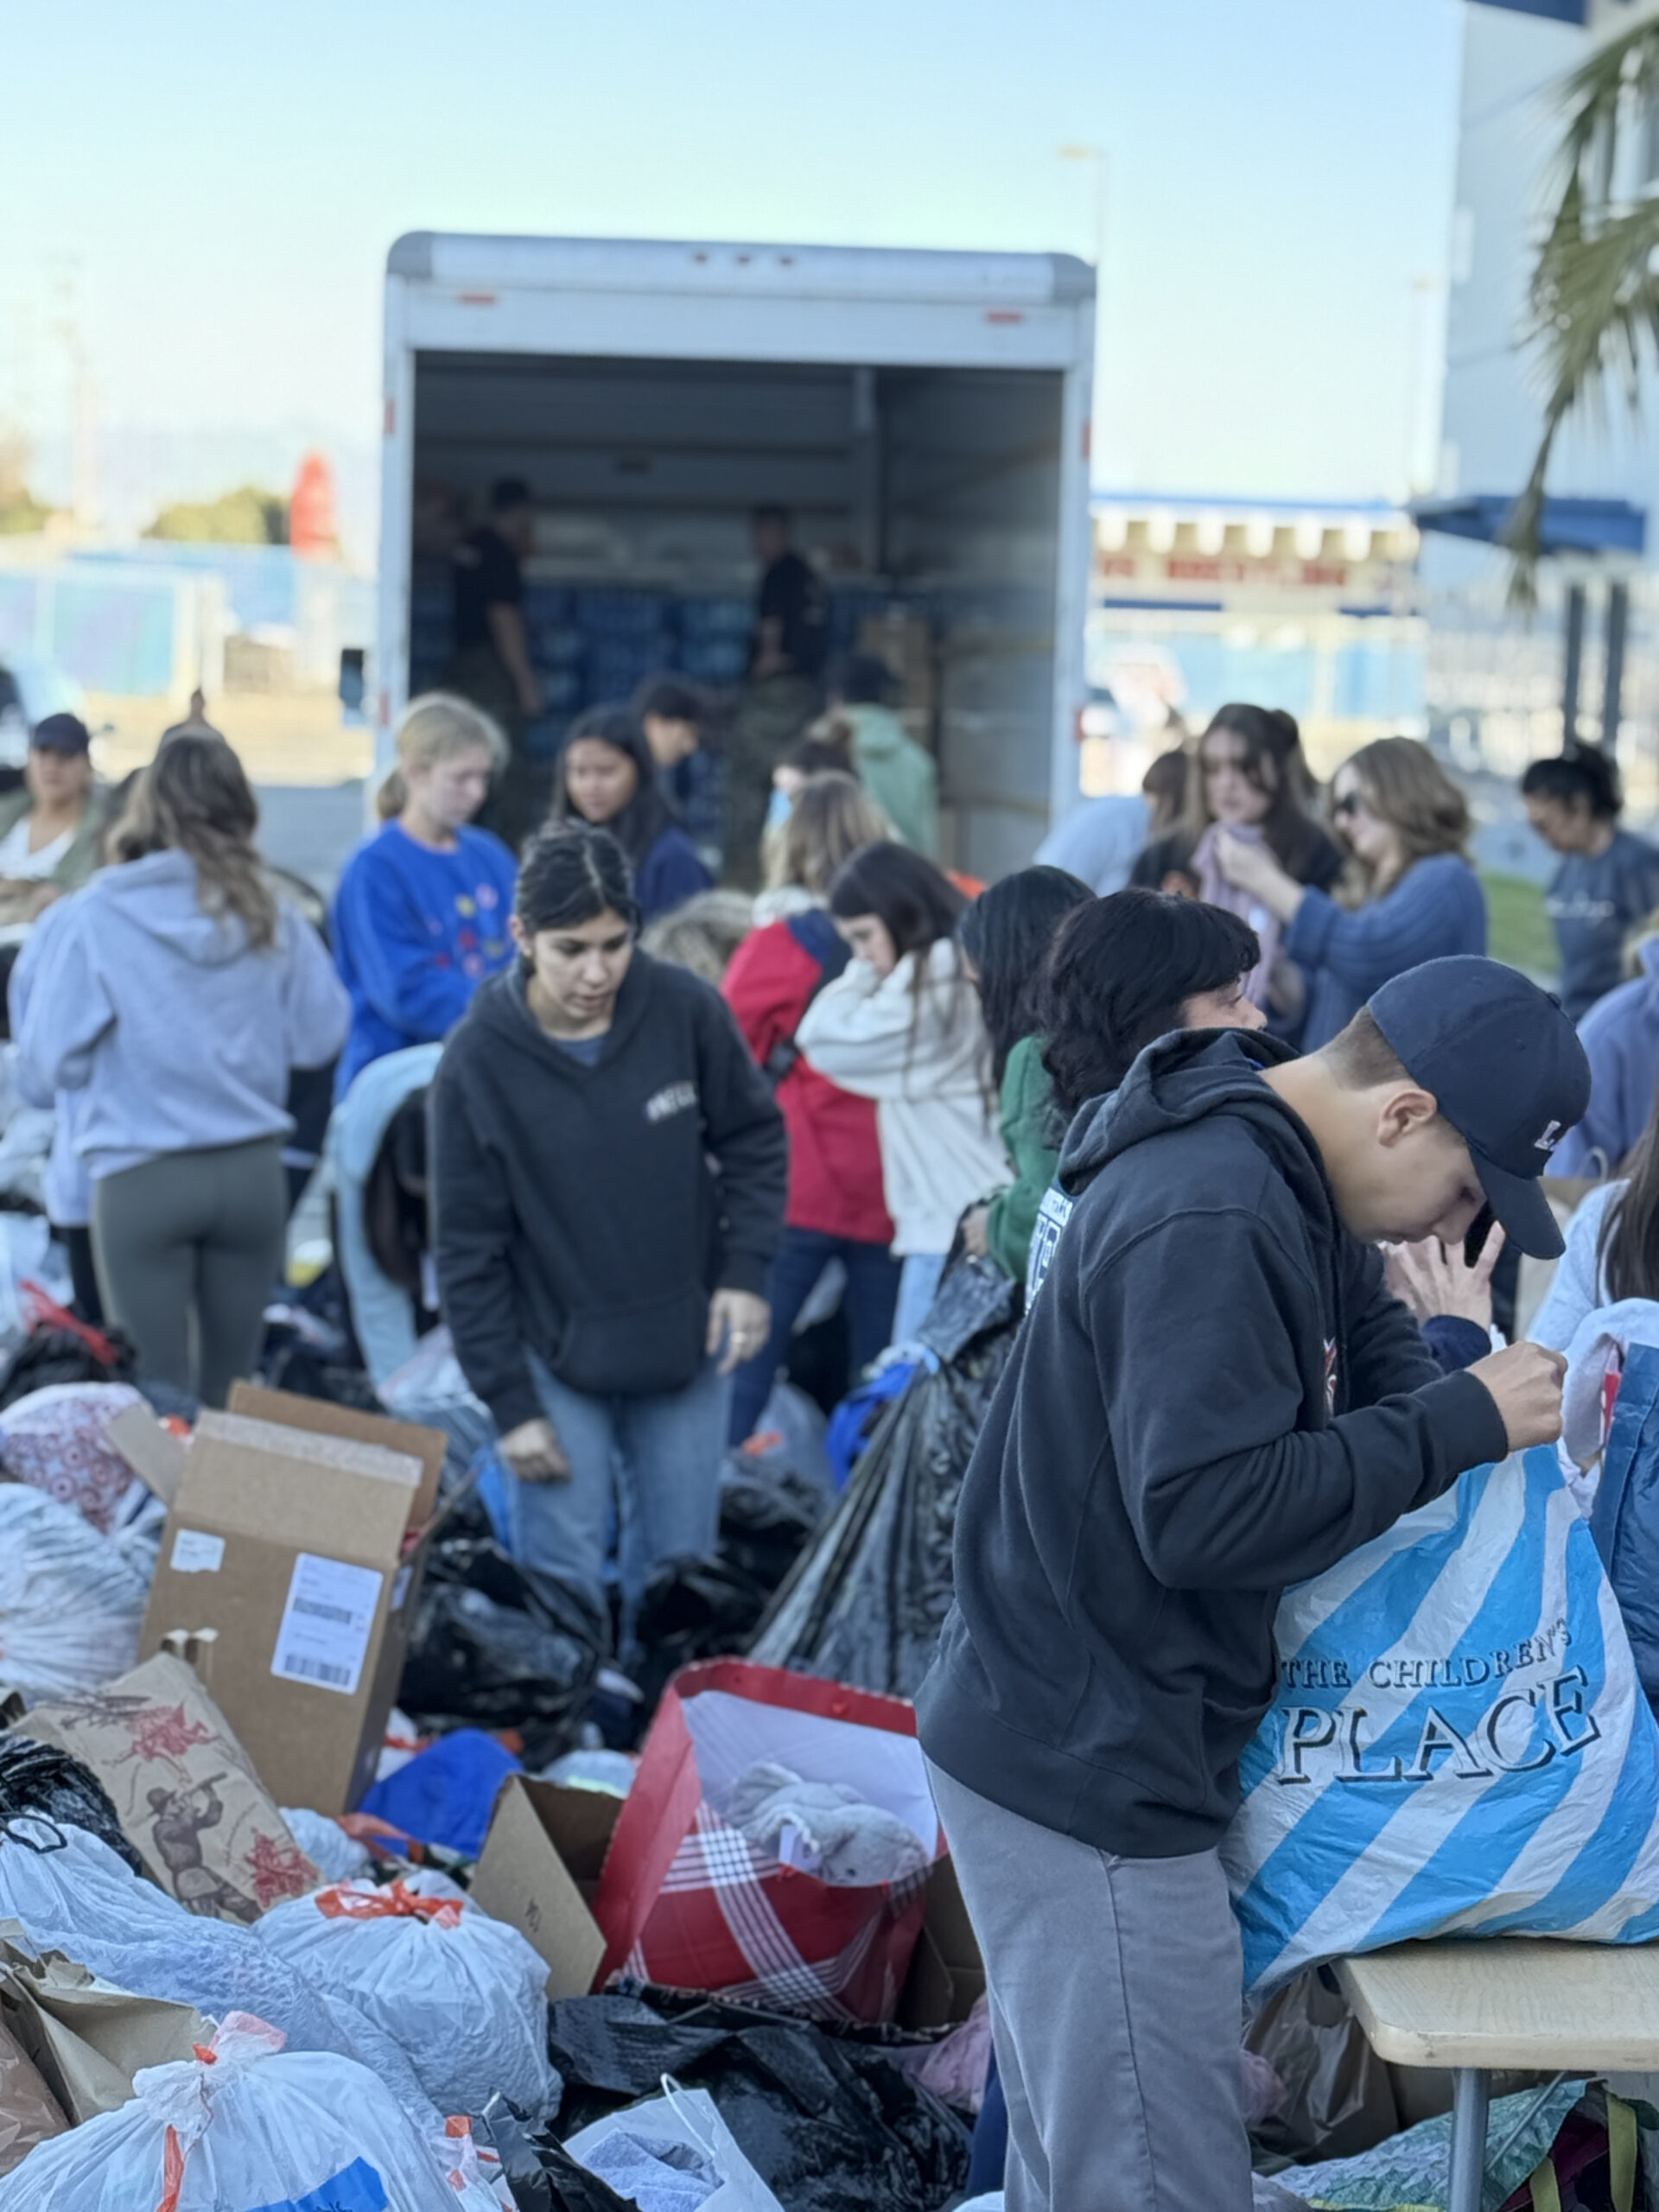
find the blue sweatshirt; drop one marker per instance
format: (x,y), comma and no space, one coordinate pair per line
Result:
(1620,1036)
(1436,908)
(1595,902)
(178,1033)
(670,873)
(416,932)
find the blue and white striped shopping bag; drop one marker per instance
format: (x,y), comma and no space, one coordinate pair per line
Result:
(1457,1741)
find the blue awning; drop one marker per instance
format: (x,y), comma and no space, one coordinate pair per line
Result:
(1559,11)
(1568,525)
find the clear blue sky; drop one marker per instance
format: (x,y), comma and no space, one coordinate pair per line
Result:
(228,179)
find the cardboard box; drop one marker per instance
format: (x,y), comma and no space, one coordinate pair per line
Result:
(904,641)
(947,1974)
(539,1871)
(540,1868)
(298,1530)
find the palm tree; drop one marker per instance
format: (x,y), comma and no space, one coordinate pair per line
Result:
(1594,295)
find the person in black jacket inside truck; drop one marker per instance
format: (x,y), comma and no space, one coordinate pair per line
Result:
(608,1172)
(1212,1396)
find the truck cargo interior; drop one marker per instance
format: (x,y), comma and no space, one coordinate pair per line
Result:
(926,498)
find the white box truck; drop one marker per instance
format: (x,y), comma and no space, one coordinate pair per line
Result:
(925,417)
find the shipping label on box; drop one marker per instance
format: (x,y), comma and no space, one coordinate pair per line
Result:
(326,1623)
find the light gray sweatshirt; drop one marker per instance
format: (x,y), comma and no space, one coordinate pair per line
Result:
(177,1033)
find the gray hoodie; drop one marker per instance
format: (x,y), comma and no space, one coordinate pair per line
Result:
(178,1035)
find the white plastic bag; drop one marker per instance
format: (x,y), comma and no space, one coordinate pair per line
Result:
(73,1895)
(252,2128)
(337,1856)
(681,2121)
(464,1994)
(72,1604)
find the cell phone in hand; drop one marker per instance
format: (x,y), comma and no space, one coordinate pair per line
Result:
(1479,1230)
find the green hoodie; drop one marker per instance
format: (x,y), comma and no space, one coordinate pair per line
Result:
(899,774)
(1029,1135)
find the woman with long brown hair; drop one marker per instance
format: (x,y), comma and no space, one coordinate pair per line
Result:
(902,1024)
(179,993)
(1407,824)
(1250,777)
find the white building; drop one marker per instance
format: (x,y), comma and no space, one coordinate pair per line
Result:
(1502,689)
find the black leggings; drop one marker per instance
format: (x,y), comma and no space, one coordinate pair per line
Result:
(83,1274)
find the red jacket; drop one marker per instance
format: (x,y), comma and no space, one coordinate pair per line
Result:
(835,1158)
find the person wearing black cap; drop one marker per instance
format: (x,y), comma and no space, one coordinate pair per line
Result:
(51,825)
(1214,1396)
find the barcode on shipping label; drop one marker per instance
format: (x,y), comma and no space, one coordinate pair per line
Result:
(326,1623)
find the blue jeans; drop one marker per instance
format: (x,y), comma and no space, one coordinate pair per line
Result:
(872,1289)
(649,1467)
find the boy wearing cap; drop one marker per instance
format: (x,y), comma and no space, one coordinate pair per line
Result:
(51,825)
(1214,1397)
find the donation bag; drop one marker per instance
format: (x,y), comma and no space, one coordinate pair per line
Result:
(1458,1741)
(687,1899)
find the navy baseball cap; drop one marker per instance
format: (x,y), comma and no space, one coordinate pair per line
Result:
(1506,1068)
(60,733)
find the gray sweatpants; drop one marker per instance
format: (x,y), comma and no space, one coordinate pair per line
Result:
(1117,2001)
(189,1249)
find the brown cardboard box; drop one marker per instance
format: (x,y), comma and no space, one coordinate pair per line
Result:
(540,1869)
(298,1531)
(947,1975)
(188,1801)
(904,640)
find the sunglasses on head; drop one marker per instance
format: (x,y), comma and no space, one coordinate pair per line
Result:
(1350,803)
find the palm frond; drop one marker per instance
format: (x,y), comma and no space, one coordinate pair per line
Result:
(1594,292)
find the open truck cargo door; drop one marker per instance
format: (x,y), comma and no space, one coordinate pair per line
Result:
(924,416)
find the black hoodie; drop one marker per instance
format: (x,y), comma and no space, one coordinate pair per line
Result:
(1213,1396)
(577,1212)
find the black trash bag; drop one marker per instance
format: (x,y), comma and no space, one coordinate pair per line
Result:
(40,1779)
(974,1297)
(50,1356)
(1338,2096)
(493,1649)
(827,2121)
(691,1609)
(766,1519)
(542,2176)
(290,1362)
(867,1598)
